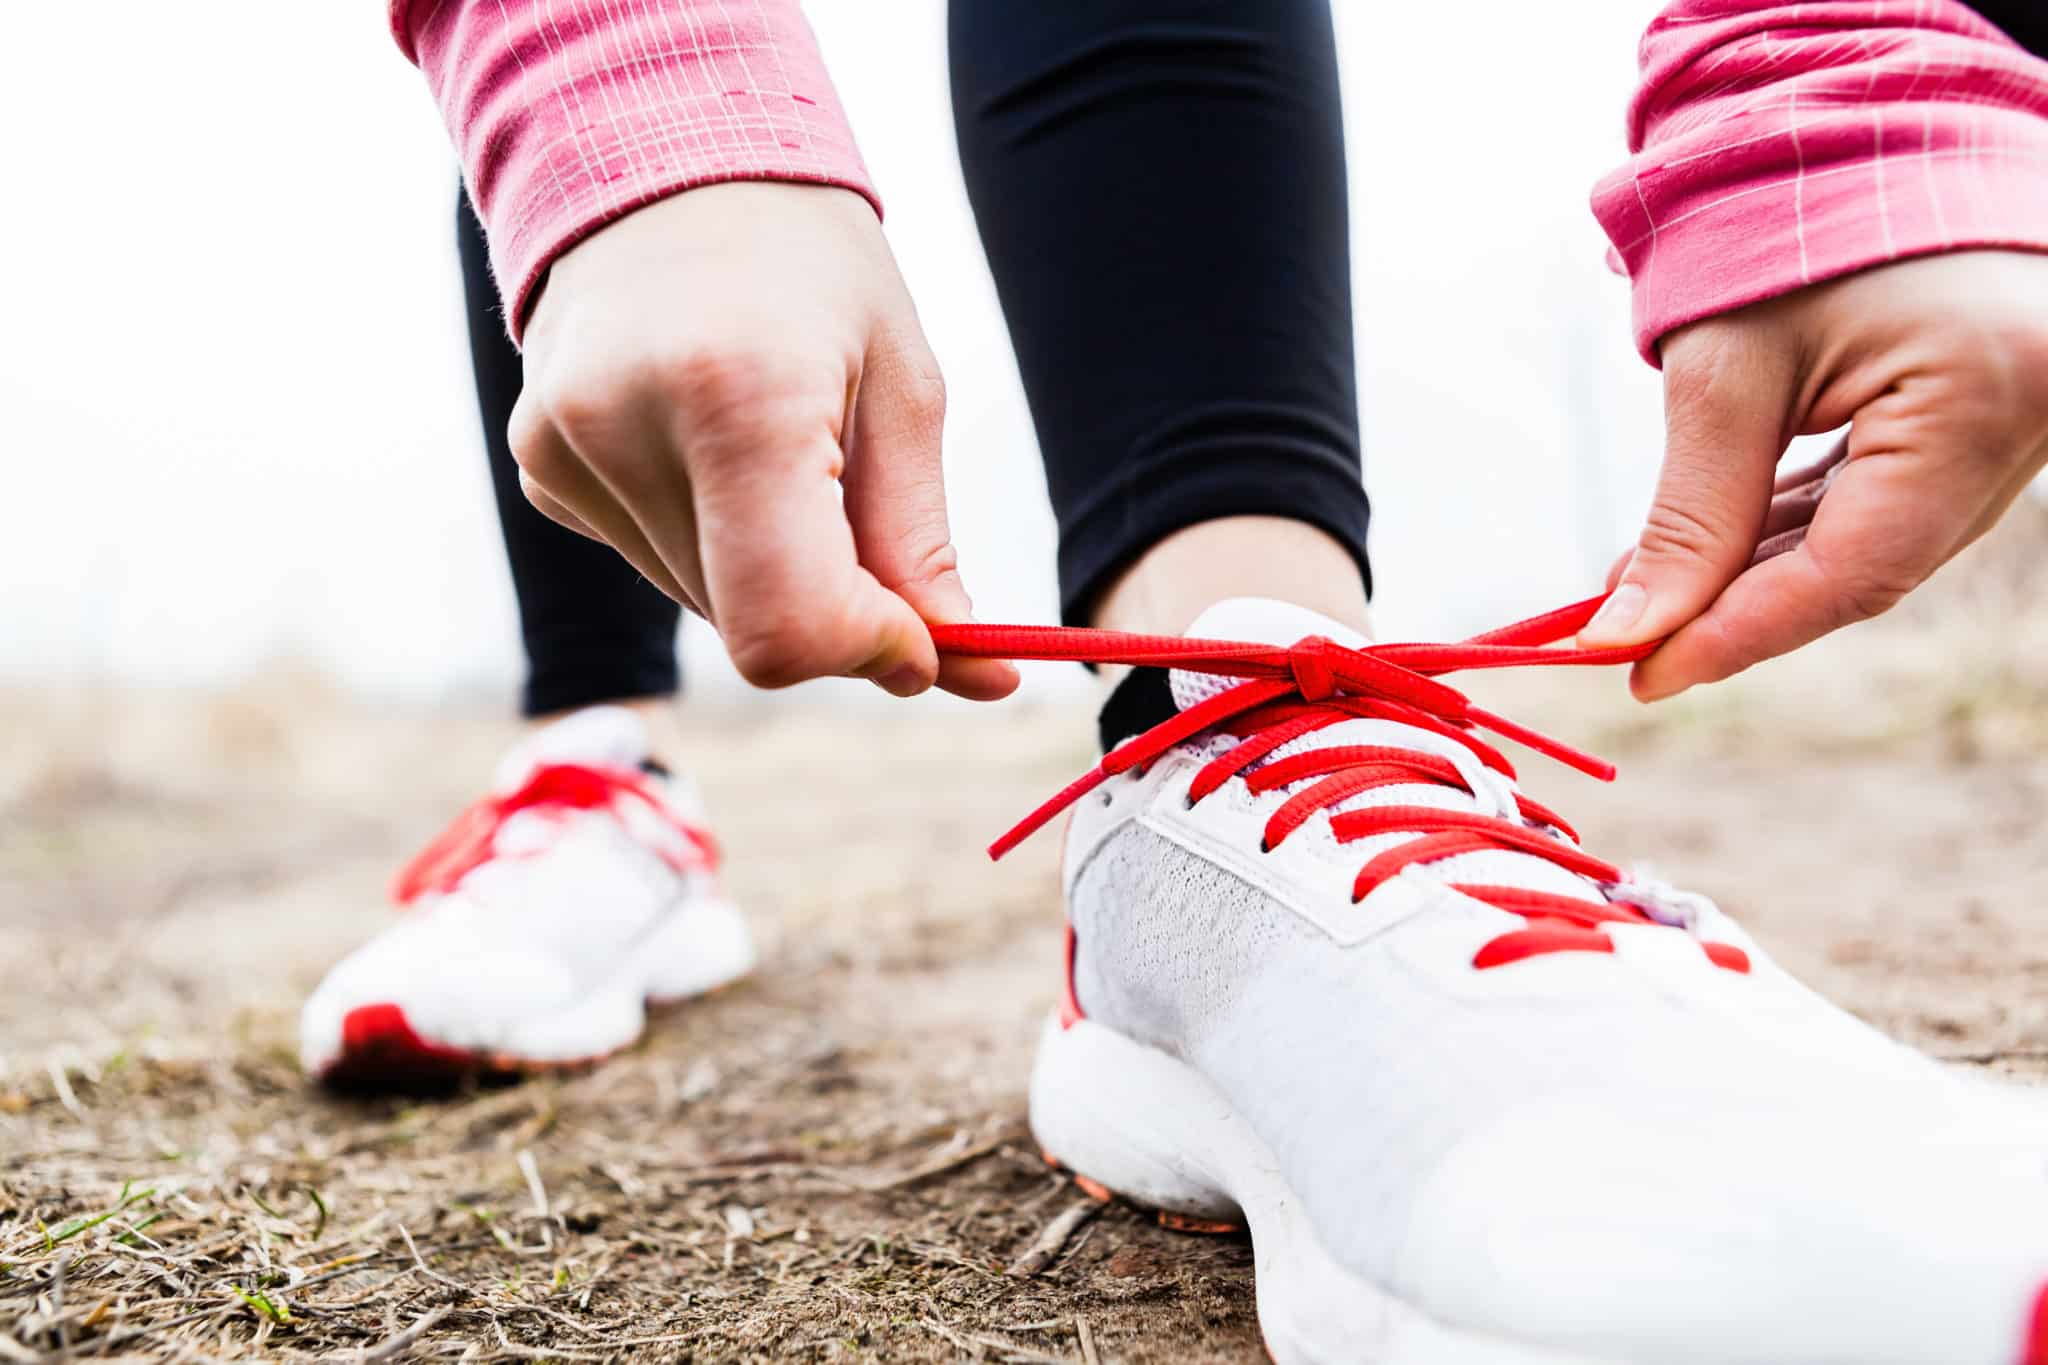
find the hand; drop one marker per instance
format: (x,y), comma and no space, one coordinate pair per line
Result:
(1939,367)
(731,389)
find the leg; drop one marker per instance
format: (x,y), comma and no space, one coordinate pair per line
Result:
(1160,187)
(594,629)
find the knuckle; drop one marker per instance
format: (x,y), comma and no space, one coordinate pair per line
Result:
(932,565)
(743,399)
(1868,596)
(775,654)
(1704,361)
(1673,531)
(789,636)
(924,388)
(583,409)
(536,496)
(542,459)
(725,388)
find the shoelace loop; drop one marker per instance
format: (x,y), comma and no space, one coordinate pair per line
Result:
(1290,692)
(468,841)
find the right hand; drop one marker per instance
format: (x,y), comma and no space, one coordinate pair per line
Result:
(730,388)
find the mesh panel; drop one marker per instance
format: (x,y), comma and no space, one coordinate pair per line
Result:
(1356,1069)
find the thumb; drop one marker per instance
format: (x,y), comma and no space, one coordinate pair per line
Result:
(1729,388)
(896,502)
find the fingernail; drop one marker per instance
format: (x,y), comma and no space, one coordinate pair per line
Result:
(901,682)
(1624,608)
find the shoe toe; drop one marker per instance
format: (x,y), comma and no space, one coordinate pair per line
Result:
(475,1001)
(1698,1237)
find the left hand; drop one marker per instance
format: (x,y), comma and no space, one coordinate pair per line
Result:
(1939,368)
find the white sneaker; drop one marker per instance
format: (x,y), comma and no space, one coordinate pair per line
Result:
(539,926)
(1487,1100)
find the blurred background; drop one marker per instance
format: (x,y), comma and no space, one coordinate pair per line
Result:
(243,433)
(257,643)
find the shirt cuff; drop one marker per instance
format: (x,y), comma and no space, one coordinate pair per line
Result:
(1773,158)
(570,114)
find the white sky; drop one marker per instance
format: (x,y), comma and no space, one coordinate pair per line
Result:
(239,422)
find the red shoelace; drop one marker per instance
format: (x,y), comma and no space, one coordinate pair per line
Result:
(468,841)
(1294,691)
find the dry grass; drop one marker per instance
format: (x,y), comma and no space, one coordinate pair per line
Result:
(827,1162)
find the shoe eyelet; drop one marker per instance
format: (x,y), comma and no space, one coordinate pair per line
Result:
(1106,800)
(1187,803)
(1264,847)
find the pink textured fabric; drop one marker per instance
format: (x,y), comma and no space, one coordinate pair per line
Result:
(1774,144)
(568,114)
(1781,144)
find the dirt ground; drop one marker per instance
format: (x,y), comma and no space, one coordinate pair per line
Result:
(829,1161)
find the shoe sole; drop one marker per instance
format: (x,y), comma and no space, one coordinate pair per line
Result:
(1131,1122)
(690,953)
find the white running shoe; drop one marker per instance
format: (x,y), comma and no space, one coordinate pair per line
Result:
(540,924)
(1481,1099)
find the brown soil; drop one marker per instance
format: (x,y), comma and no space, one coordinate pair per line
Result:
(828,1161)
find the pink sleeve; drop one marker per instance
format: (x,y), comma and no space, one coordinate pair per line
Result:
(568,114)
(1776,145)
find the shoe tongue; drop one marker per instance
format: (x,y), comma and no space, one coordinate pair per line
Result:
(1259,620)
(596,736)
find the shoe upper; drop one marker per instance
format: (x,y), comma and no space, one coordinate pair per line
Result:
(1609,1149)
(532,897)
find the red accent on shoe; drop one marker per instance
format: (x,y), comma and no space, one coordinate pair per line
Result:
(1733,958)
(2035,1349)
(1295,691)
(466,843)
(1541,938)
(1070,1004)
(379,1046)
(379,1042)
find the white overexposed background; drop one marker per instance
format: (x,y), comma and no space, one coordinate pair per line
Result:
(238,423)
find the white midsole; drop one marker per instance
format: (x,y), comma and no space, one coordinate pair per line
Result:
(483,1006)
(1151,1128)
(689,950)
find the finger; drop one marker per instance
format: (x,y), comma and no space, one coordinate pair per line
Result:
(1617,568)
(629,470)
(792,599)
(1793,509)
(1728,394)
(1876,535)
(544,503)
(1819,470)
(1796,495)
(896,504)
(1784,542)
(548,463)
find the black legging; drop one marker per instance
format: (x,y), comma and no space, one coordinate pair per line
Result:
(594,629)
(1159,186)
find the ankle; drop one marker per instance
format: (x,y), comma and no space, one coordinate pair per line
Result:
(661,715)
(1180,577)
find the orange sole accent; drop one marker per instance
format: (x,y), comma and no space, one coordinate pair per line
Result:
(1173,1222)
(1206,1227)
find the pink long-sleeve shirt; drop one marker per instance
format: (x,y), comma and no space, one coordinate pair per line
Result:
(1772,145)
